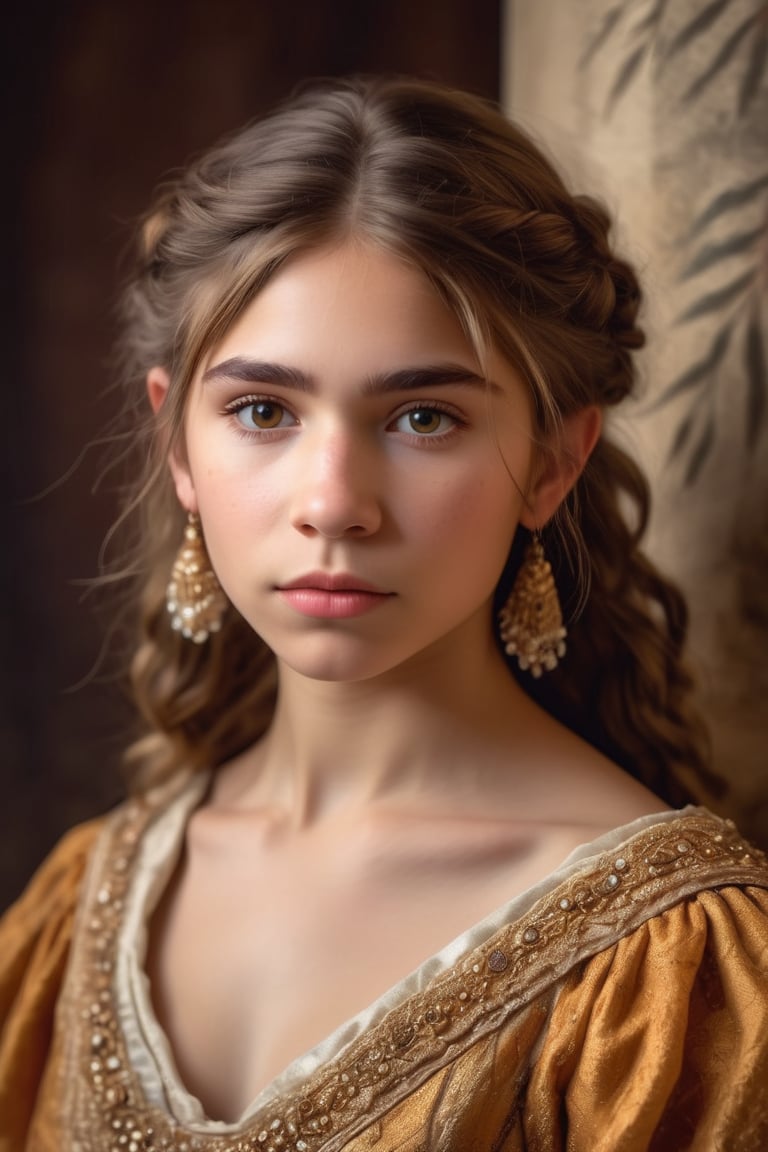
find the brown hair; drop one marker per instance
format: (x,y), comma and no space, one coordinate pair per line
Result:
(442,178)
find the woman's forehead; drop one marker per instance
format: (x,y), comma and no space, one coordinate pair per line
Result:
(348,301)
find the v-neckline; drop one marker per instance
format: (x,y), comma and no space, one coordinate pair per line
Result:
(148,1045)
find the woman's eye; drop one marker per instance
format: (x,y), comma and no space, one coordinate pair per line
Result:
(425,421)
(263,414)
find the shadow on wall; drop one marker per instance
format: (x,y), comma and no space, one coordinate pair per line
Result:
(662,107)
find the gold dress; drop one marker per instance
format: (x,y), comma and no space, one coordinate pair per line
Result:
(619,1005)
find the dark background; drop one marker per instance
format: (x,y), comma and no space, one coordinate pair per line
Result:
(100,99)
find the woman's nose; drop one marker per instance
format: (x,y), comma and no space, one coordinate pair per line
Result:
(336,492)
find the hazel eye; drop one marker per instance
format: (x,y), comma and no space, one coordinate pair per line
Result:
(425,421)
(263,414)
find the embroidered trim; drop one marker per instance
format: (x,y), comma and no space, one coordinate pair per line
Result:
(649,873)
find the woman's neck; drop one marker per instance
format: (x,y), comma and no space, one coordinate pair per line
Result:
(434,731)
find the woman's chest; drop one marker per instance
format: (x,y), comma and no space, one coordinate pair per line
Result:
(256,956)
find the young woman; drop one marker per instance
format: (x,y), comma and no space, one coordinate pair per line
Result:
(402,867)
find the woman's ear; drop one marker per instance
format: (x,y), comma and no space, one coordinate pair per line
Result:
(561,465)
(158,382)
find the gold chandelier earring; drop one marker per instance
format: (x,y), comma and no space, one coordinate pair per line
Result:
(194,597)
(531,621)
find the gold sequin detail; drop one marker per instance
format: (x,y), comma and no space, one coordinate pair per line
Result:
(657,868)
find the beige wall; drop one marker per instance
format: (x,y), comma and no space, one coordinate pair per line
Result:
(659,154)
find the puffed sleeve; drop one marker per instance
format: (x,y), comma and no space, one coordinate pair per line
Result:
(35,934)
(660,1043)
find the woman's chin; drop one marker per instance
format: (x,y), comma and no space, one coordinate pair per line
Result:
(337,662)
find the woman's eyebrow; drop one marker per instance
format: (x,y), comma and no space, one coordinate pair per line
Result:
(400,380)
(429,376)
(260,372)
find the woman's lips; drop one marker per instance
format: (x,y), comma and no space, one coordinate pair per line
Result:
(336,596)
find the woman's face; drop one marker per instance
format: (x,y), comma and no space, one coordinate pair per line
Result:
(358,481)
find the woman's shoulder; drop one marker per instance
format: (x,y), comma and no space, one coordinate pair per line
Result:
(662,1034)
(52,889)
(689,860)
(678,881)
(37,926)
(35,938)
(646,967)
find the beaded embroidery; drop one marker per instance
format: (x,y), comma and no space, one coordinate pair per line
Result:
(575,920)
